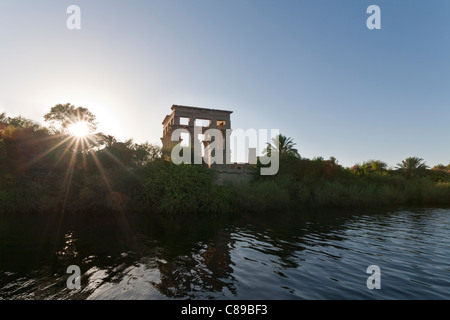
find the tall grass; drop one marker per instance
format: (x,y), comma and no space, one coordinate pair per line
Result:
(321,183)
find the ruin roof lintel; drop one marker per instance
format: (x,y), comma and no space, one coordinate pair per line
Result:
(198,108)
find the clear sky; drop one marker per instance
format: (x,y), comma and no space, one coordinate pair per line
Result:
(310,68)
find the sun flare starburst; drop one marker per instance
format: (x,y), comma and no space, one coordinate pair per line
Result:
(79,129)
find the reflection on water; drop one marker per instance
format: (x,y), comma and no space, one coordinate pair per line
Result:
(296,255)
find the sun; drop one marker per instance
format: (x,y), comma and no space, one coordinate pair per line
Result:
(79,129)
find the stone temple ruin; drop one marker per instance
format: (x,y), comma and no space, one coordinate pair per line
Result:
(197,121)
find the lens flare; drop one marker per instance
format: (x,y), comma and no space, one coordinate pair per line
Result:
(79,129)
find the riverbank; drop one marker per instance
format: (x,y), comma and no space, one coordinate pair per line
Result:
(163,188)
(58,174)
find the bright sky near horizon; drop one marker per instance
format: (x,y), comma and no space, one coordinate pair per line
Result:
(310,68)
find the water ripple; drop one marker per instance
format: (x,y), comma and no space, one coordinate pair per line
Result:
(321,258)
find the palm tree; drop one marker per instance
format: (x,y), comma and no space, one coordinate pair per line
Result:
(283,145)
(377,165)
(412,166)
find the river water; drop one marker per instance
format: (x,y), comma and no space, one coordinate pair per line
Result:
(309,254)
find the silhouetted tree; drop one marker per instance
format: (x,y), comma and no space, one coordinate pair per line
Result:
(144,153)
(18,121)
(62,116)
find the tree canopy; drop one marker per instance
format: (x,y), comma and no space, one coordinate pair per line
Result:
(61,116)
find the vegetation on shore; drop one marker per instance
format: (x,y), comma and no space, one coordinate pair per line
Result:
(52,170)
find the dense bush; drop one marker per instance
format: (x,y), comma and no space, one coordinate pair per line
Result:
(319,183)
(180,189)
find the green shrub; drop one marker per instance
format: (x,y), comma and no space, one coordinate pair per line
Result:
(262,195)
(181,189)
